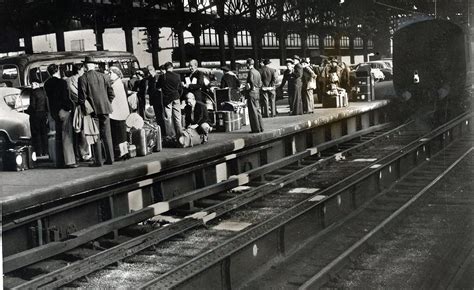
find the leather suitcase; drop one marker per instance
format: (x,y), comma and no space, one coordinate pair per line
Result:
(228,121)
(139,140)
(15,159)
(337,101)
(153,138)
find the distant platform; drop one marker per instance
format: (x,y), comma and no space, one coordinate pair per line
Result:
(19,190)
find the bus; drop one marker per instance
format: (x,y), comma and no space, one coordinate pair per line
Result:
(19,71)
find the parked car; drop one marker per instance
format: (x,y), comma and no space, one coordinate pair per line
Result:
(384,67)
(14,124)
(376,73)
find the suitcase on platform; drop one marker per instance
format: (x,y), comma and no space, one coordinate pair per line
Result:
(240,108)
(139,140)
(153,138)
(16,159)
(337,101)
(189,138)
(228,121)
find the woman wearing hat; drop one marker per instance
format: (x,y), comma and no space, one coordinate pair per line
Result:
(120,110)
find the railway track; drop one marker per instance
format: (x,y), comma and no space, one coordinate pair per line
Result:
(384,211)
(180,242)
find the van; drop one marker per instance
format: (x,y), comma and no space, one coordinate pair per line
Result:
(19,71)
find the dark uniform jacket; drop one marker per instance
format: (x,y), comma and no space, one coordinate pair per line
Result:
(197,84)
(254,82)
(268,76)
(170,84)
(38,101)
(58,96)
(96,88)
(298,71)
(231,81)
(199,115)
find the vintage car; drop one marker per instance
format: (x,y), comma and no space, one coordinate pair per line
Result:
(14,124)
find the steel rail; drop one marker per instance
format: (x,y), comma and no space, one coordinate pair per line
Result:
(75,270)
(322,276)
(216,255)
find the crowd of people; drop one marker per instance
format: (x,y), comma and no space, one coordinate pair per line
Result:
(89,109)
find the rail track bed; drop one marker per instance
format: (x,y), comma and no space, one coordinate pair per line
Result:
(186,246)
(393,257)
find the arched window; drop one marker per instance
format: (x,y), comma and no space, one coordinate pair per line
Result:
(358,42)
(344,42)
(370,44)
(312,40)
(210,38)
(243,39)
(329,41)
(270,39)
(293,40)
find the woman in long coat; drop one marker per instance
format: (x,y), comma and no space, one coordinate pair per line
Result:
(120,109)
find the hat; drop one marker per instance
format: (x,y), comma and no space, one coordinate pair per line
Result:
(266,61)
(304,60)
(225,68)
(296,57)
(334,60)
(289,60)
(89,59)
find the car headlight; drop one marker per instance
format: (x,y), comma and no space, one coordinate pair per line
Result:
(19,160)
(33,156)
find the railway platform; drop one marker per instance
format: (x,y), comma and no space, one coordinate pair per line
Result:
(46,204)
(19,190)
(45,183)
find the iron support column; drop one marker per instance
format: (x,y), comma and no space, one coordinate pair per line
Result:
(364,49)
(154,33)
(231,35)
(60,44)
(128,38)
(99,39)
(28,40)
(221,35)
(182,51)
(321,44)
(351,49)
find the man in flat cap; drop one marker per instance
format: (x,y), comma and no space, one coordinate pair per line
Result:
(267,96)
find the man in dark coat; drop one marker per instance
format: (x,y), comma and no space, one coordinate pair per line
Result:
(267,96)
(60,106)
(196,81)
(196,117)
(171,88)
(297,106)
(254,83)
(155,96)
(38,111)
(97,90)
(231,81)
(290,77)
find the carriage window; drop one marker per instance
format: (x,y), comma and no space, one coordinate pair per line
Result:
(39,74)
(10,72)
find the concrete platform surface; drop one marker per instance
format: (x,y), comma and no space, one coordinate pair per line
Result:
(23,189)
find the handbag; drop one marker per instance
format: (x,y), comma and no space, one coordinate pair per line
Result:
(77,119)
(88,109)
